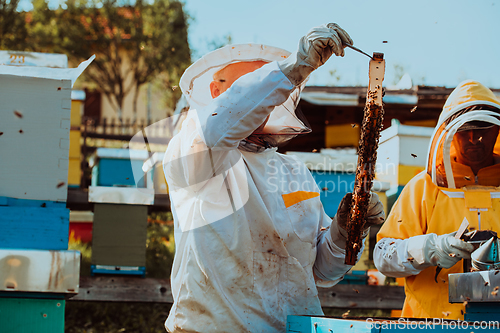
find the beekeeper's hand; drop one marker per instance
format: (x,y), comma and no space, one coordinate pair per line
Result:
(314,50)
(433,250)
(375,215)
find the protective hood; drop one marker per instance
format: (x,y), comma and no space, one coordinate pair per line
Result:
(469,102)
(283,123)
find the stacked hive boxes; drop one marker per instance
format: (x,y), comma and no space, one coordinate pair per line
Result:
(121,192)
(37,272)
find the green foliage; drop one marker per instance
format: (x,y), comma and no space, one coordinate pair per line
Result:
(43,27)
(13,31)
(161,46)
(97,317)
(160,249)
(134,42)
(85,254)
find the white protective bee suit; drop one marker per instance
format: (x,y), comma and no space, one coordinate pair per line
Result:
(252,238)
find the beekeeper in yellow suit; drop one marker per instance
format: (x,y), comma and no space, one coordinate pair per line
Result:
(461,180)
(252,238)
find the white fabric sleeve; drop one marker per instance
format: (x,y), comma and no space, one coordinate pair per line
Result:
(207,144)
(391,257)
(188,161)
(329,267)
(237,112)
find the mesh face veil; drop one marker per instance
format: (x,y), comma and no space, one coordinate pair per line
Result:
(471,107)
(284,123)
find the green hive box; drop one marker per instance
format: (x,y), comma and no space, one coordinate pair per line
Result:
(119,235)
(23,315)
(119,229)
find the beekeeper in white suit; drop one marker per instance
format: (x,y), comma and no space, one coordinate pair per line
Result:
(252,238)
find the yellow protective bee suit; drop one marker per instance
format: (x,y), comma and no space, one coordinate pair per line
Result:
(436,201)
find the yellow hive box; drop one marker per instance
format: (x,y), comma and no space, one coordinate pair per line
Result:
(341,136)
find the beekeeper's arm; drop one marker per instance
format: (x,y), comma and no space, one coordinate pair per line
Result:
(329,266)
(253,97)
(207,144)
(403,248)
(209,134)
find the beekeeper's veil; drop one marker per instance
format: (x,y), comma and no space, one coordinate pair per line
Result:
(470,106)
(284,122)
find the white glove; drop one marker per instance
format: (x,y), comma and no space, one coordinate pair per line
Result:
(314,50)
(375,215)
(433,250)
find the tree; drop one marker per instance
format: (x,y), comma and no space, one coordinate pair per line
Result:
(161,46)
(13,30)
(43,29)
(134,42)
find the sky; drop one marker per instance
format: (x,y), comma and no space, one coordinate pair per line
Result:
(437,42)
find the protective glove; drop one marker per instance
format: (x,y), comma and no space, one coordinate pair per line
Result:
(433,250)
(314,50)
(375,215)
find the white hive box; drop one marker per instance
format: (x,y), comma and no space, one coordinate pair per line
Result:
(36,59)
(39,271)
(402,153)
(34,131)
